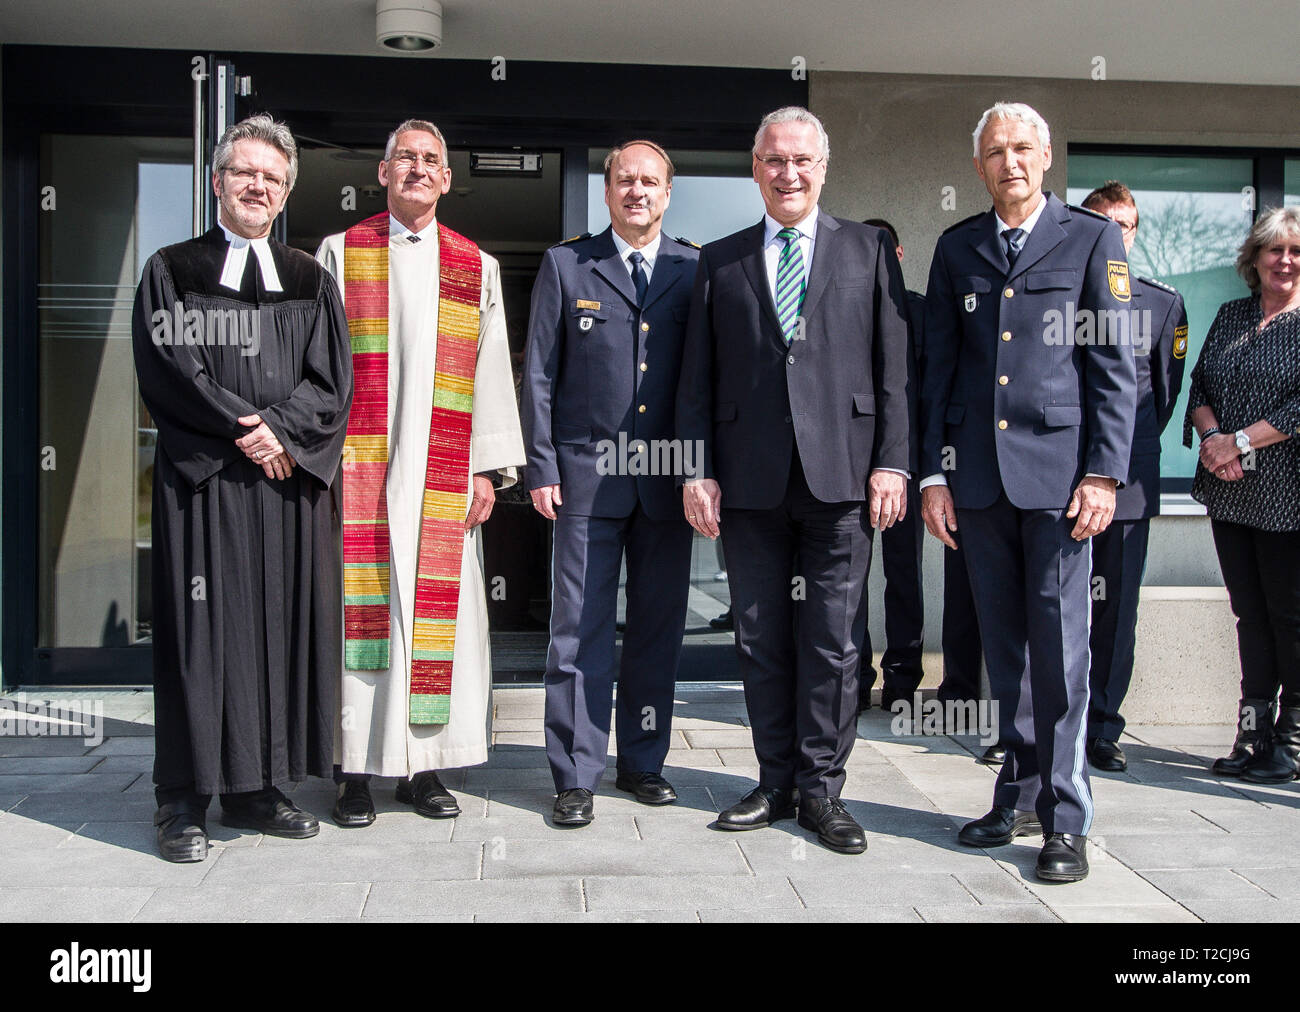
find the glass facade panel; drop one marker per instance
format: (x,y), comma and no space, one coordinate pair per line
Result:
(97,440)
(1193,214)
(1291,182)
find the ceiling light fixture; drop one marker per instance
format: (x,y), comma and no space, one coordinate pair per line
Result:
(408,26)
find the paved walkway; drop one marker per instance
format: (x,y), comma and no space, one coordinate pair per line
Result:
(1171,842)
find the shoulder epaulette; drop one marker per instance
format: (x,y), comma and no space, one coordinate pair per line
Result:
(1084,210)
(686,242)
(964,221)
(574,238)
(1159,284)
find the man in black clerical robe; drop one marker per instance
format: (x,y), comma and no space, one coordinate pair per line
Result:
(244,362)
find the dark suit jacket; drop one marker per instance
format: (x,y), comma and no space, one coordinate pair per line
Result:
(593,362)
(1001,347)
(839,394)
(1159,379)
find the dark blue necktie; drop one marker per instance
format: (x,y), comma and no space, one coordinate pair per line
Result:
(638,277)
(1012,240)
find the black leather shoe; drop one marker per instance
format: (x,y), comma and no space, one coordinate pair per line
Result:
(1064,858)
(1255,719)
(354,808)
(833,824)
(573,807)
(182,832)
(1106,755)
(649,788)
(994,755)
(759,808)
(426,793)
(268,812)
(724,622)
(999,827)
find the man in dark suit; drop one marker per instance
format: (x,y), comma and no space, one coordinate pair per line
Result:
(1028,405)
(900,547)
(794,380)
(1119,553)
(599,388)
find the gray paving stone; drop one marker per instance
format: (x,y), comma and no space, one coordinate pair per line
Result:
(133,745)
(435,898)
(526,739)
(19,833)
(1283,883)
(101,867)
(994,887)
(40,765)
(1204,884)
(125,764)
(12,746)
(1008,913)
(601,917)
(689,892)
(72,903)
(1246,911)
(1251,817)
(1156,851)
(815,915)
(8,801)
(689,721)
(399,825)
(312,861)
(1154,913)
(1109,883)
(536,776)
(500,724)
(143,836)
(569,855)
(74,810)
(1173,735)
(736,738)
(1114,820)
(881,886)
(500,833)
(693,758)
(276,903)
(75,784)
(513,759)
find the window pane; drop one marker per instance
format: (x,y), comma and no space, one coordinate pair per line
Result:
(1291,182)
(1193,213)
(97,438)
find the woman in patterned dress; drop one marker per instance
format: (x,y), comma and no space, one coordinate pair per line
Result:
(1244,403)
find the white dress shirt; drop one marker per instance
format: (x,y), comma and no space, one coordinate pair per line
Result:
(650,251)
(232,272)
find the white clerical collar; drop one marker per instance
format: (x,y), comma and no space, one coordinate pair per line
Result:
(807,227)
(396,230)
(237,259)
(650,250)
(1029,223)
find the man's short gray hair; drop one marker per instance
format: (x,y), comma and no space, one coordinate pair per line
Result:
(794,114)
(258,128)
(1273,224)
(1015,111)
(415,124)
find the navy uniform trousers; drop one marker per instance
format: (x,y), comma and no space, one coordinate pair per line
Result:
(1120,554)
(1023,562)
(799,643)
(962,651)
(900,550)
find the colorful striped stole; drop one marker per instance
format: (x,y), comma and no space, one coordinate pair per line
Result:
(366,543)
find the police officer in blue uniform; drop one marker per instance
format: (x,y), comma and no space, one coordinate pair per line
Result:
(1038,411)
(599,389)
(900,666)
(1119,553)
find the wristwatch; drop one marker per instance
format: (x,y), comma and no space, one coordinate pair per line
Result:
(1243,441)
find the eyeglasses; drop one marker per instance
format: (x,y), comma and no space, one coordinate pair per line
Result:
(246,177)
(1125,226)
(407,160)
(801,163)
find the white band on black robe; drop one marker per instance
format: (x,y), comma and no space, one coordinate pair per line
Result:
(246,569)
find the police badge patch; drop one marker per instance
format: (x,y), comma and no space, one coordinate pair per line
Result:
(1180,341)
(584,323)
(970,303)
(1117,275)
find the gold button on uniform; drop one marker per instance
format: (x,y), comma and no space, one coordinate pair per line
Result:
(1003,381)
(641,409)
(644,367)
(1006,335)
(645,326)
(1008,293)
(1002,424)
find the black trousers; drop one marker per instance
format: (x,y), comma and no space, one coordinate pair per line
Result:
(962,647)
(1119,557)
(797,575)
(900,548)
(1261,570)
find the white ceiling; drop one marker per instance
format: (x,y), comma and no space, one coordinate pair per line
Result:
(1182,40)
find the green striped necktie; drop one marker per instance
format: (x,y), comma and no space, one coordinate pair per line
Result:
(790,282)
